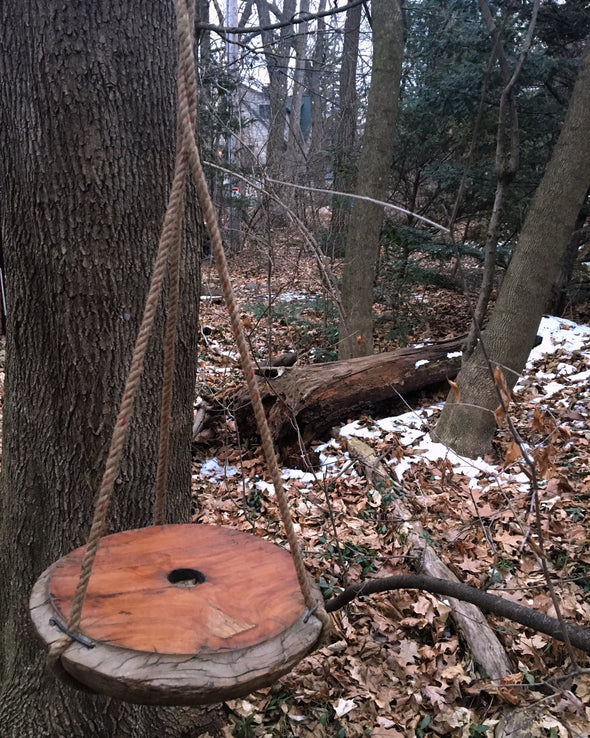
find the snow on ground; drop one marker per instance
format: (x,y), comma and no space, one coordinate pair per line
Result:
(413,428)
(414,431)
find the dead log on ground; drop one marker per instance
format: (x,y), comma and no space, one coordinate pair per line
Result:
(306,401)
(478,635)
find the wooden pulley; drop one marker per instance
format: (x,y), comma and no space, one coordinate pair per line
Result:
(179,615)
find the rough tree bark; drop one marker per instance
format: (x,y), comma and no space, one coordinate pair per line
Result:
(559,290)
(362,244)
(468,426)
(87,125)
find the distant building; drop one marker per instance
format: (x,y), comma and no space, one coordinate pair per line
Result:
(253,107)
(249,144)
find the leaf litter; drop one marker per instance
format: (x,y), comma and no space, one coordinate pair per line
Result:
(396,666)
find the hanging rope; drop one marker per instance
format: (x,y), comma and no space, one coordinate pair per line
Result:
(189,107)
(188,80)
(168,255)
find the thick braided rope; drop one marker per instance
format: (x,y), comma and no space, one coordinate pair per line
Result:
(170,229)
(187,105)
(169,364)
(210,215)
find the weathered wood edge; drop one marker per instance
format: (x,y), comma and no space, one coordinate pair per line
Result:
(170,679)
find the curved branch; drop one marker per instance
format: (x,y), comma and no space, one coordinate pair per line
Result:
(297,19)
(579,637)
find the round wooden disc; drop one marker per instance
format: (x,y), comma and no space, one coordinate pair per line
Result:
(179,614)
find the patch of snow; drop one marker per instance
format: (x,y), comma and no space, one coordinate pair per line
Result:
(454,355)
(218,349)
(434,451)
(292,296)
(402,467)
(545,376)
(358,430)
(422,362)
(580,377)
(410,436)
(329,444)
(563,368)
(299,474)
(553,388)
(387,425)
(559,333)
(409,426)
(265,487)
(414,432)
(233,355)
(213,470)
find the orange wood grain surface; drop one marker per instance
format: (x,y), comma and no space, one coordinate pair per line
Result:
(250,592)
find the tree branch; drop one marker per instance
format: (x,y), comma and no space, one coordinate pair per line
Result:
(579,637)
(293,21)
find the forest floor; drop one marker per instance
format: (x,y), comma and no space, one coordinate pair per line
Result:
(396,665)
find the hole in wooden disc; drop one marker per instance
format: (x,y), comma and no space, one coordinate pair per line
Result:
(186,577)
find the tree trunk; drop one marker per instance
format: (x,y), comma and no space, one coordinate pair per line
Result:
(468,426)
(316,158)
(506,164)
(559,296)
(87,124)
(345,154)
(276,52)
(362,245)
(295,155)
(305,402)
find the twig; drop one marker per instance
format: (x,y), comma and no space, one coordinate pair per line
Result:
(390,205)
(327,277)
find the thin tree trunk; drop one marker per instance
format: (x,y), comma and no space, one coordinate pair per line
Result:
(345,155)
(276,52)
(316,159)
(295,142)
(468,426)
(362,245)
(506,165)
(87,122)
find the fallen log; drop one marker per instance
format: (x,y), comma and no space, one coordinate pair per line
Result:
(306,401)
(478,635)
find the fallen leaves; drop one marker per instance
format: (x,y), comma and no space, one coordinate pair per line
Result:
(397,663)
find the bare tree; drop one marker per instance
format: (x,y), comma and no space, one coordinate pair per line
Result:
(276,52)
(344,153)
(506,164)
(362,245)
